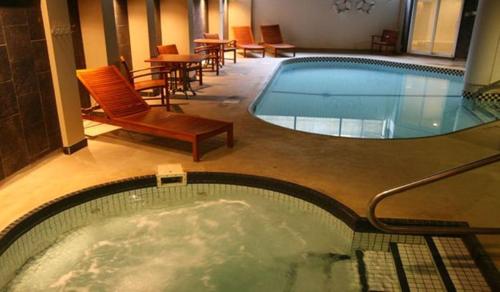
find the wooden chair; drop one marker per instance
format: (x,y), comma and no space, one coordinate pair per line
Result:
(230,47)
(245,41)
(167,49)
(388,39)
(211,54)
(124,107)
(161,83)
(271,36)
(172,49)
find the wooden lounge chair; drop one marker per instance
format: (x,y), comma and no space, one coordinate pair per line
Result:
(245,41)
(388,39)
(124,107)
(271,36)
(230,47)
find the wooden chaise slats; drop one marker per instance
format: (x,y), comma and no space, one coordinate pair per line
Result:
(124,107)
(245,41)
(271,36)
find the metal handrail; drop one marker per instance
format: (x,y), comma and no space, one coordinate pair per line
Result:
(430,229)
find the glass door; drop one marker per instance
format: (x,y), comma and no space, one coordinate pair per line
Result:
(435,25)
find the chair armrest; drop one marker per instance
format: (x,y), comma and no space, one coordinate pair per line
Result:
(146,69)
(151,74)
(374,37)
(207,48)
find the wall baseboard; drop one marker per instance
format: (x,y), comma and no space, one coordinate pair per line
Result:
(75,147)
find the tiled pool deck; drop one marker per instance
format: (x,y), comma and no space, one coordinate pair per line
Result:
(350,170)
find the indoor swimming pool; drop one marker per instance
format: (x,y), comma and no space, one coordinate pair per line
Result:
(363,98)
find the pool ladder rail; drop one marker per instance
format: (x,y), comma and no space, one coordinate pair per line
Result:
(428,230)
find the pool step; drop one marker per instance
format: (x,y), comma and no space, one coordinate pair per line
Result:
(442,264)
(416,268)
(494,111)
(484,112)
(378,270)
(459,265)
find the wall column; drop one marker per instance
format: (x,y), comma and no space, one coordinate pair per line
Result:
(483,63)
(62,63)
(154,25)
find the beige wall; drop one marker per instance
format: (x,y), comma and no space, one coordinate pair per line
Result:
(92,26)
(315,24)
(214,17)
(138,28)
(240,12)
(175,24)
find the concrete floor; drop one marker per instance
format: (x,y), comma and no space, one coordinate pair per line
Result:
(350,170)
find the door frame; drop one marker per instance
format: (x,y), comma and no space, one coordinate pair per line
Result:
(436,16)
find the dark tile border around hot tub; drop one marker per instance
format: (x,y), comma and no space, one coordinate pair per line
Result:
(358,224)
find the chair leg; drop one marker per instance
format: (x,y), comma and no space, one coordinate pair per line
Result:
(168,98)
(230,138)
(200,73)
(263,53)
(234,56)
(244,53)
(275,53)
(217,65)
(196,150)
(162,96)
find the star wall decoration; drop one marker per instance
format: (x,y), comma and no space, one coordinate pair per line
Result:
(365,5)
(342,5)
(361,5)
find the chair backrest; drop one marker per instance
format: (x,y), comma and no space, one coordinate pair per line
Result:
(390,36)
(112,91)
(214,36)
(126,67)
(167,49)
(271,34)
(243,35)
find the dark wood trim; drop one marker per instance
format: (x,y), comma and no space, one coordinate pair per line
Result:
(75,147)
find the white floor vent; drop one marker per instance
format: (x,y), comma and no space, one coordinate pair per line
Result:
(169,175)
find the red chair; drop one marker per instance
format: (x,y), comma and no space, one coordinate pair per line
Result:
(388,39)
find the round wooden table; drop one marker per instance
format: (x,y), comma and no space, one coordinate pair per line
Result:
(181,62)
(221,43)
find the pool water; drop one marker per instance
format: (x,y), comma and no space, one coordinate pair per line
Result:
(216,243)
(367,101)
